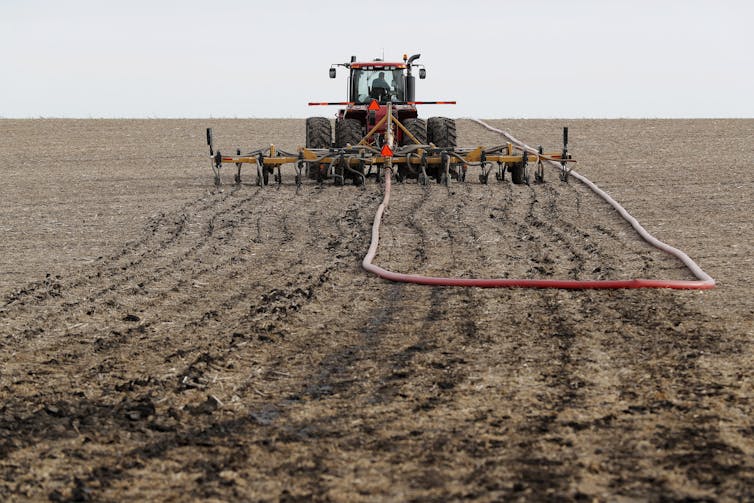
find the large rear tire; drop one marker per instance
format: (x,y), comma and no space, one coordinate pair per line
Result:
(348,131)
(418,128)
(318,132)
(318,135)
(441,131)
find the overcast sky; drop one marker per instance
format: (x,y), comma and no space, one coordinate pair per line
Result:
(517,58)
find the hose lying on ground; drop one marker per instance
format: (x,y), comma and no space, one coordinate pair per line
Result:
(703,282)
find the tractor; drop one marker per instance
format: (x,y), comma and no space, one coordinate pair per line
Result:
(371,86)
(380,129)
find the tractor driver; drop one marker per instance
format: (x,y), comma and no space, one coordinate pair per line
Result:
(380,87)
(380,81)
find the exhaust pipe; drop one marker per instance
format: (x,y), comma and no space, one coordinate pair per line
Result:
(410,79)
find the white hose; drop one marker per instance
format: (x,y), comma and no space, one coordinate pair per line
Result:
(649,238)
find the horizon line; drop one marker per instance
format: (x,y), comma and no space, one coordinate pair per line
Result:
(42,117)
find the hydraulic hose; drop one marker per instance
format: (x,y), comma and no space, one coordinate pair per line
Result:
(703,282)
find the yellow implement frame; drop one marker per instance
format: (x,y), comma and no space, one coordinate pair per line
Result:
(413,156)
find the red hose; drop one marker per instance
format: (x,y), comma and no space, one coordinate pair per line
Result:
(704,281)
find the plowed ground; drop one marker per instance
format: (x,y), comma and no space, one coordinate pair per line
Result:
(164,341)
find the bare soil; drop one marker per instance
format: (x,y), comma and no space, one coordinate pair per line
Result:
(165,341)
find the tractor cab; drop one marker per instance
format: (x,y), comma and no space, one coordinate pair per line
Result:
(379,81)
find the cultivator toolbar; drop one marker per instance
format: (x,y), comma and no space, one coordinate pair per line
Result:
(416,160)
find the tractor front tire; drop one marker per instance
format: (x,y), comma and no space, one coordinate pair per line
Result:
(318,135)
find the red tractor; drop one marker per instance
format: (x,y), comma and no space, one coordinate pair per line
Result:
(371,85)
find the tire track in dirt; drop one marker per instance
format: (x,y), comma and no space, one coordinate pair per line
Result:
(222,306)
(540,472)
(543,471)
(336,371)
(658,387)
(338,377)
(604,237)
(546,470)
(119,285)
(530,247)
(414,223)
(267,411)
(548,217)
(427,369)
(565,377)
(104,349)
(397,368)
(190,274)
(162,222)
(476,222)
(544,250)
(382,355)
(569,379)
(107,271)
(405,365)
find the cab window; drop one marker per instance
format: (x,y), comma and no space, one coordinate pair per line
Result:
(363,83)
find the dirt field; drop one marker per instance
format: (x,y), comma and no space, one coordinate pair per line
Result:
(161,341)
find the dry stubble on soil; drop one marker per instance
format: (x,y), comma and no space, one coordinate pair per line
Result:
(164,341)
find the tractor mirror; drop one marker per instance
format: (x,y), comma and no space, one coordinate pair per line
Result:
(332,73)
(422,73)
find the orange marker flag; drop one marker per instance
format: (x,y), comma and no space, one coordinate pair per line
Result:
(374,105)
(386,151)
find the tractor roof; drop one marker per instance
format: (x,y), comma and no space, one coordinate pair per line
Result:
(378,64)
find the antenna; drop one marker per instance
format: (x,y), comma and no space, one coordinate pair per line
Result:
(383,54)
